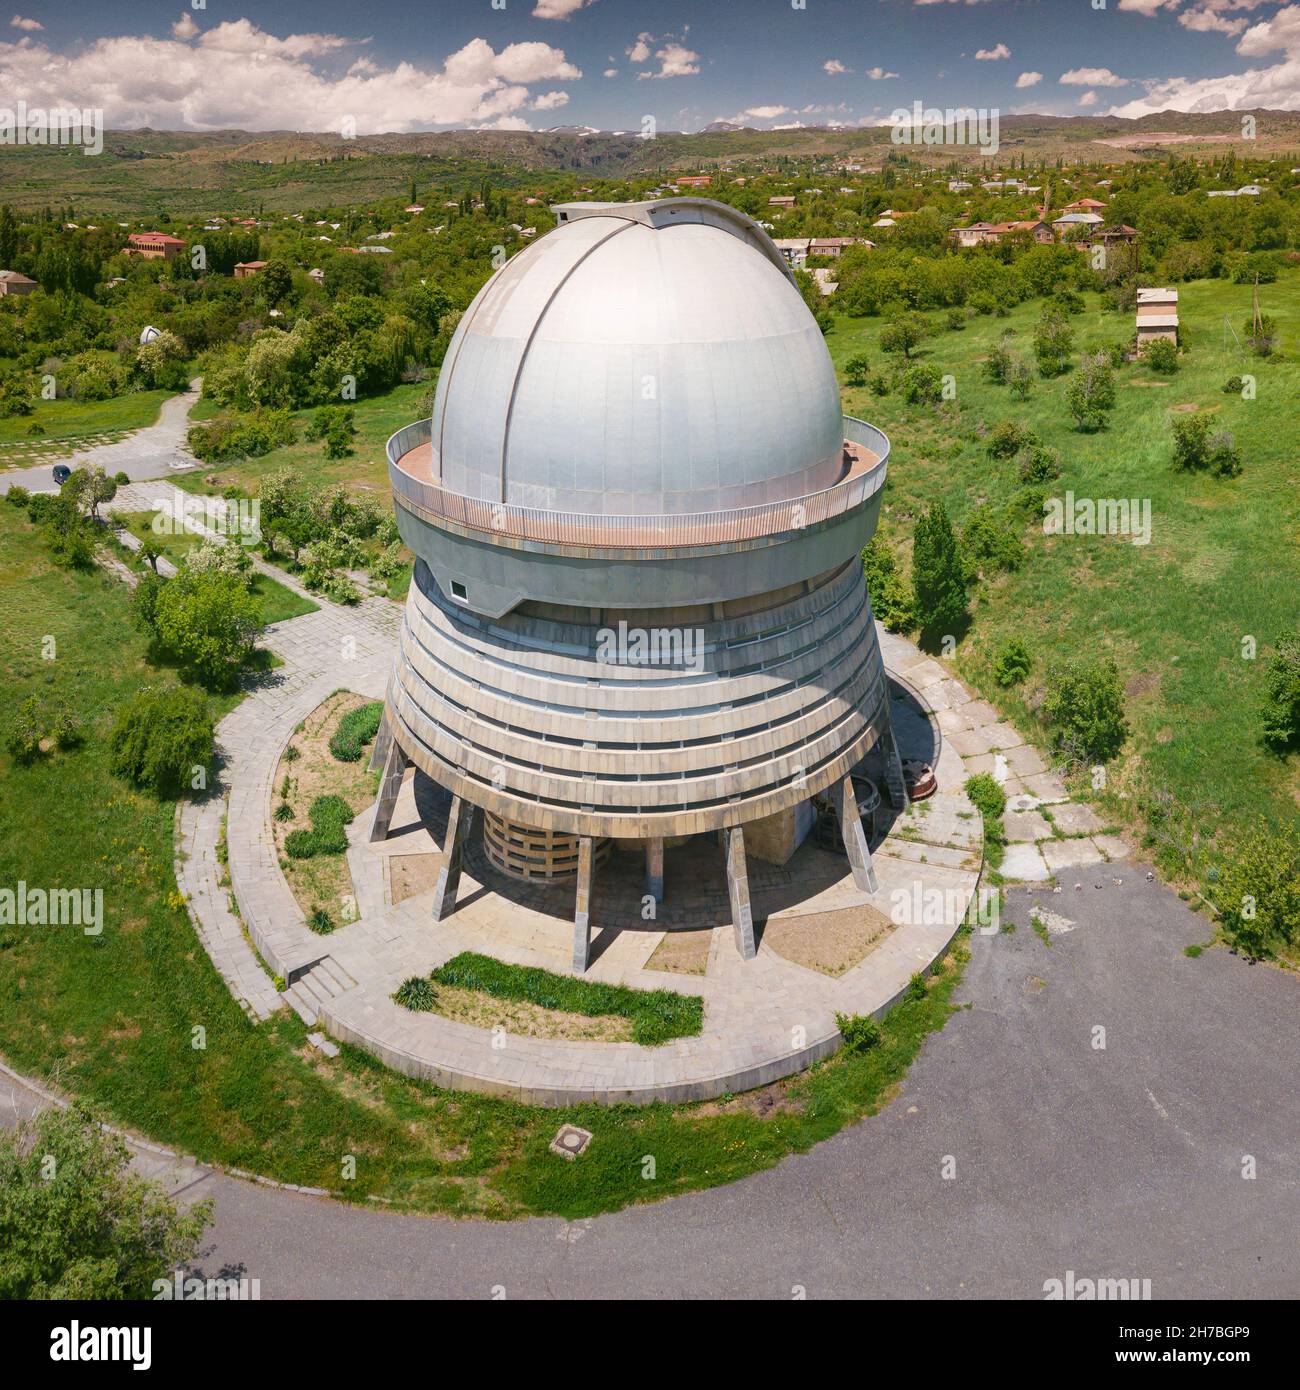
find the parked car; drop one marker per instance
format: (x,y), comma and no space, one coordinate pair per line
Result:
(62,473)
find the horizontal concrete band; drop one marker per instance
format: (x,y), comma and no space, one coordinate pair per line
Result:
(603,749)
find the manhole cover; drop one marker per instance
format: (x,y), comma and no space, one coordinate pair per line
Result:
(570,1141)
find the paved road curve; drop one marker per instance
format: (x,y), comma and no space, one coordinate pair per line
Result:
(146,453)
(1122,1162)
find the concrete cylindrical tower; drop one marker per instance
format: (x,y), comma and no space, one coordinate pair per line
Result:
(638,609)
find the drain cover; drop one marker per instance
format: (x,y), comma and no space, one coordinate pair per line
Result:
(570,1141)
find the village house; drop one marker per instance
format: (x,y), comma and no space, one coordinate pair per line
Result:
(782,200)
(693,180)
(153,246)
(11,282)
(245,270)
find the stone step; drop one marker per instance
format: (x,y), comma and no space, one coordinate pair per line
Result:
(333,976)
(301,1003)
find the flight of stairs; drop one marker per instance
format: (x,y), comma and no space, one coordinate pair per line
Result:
(326,980)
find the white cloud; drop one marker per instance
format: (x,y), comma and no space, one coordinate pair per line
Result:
(238,76)
(767,113)
(880,74)
(610,72)
(1209,16)
(1092,77)
(674,61)
(1088,99)
(640,50)
(30,25)
(558,9)
(1280,32)
(1029,79)
(834,67)
(1147,7)
(548,101)
(992,55)
(185,27)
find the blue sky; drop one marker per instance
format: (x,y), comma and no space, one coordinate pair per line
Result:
(316,64)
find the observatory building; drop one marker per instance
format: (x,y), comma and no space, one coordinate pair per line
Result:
(638,611)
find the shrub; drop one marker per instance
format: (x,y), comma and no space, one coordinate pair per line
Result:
(1282,695)
(1233,386)
(991,543)
(1020,378)
(860,1032)
(284,811)
(892,601)
(1092,392)
(357,728)
(1053,339)
(1223,457)
(209,622)
(18,496)
(160,738)
(330,815)
(990,801)
(938,579)
(416,994)
(1191,440)
(922,384)
(1084,706)
(1260,338)
(1039,464)
(122,478)
(955,320)
(1161,355)
(25,732)
(319,921)
(1012,663)
(857,368)
(1258,891)
(1007,439)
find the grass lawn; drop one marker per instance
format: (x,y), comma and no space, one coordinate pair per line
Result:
(1223,563)
(366,468)
(68,421)
(278,601)
(112,1018)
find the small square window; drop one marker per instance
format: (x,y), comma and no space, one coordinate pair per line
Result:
(458,589)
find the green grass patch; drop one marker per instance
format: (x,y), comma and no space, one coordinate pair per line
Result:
(657,1015)
(356,729)
(70,421)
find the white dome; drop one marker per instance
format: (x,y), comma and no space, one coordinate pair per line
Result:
(148,334)
(641,358)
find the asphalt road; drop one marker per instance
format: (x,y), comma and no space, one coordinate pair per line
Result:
(1122,1161)
(151,452)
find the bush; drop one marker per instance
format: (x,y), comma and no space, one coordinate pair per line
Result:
(161,738)
(991,543)
(1224,457)
(416,994)
(857,368)
(1020,378)
(25,732)
(1039,464)
(18,496)
(1007,439)
(1233,386)
(1161,355)
(1053,339)
(284,811)
(234,436)
(1084,706)
(922,385)
(1195,448)
(1012,663)
(319,921)
(330,815)
(1282,696)
(892,601)
(990,801)
(997,364)
(1092,392)
(357,728)
(955,320)
(860,1032)
(209,622)
(1258,891)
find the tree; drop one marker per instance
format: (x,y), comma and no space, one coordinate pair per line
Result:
(902,333)
(1084,705)
(857,369)
(1258,891)
(922,384)
(1012,663)
(892,601)
(150,552)
(209,622)
(1161,355)
(1053,339)
(937,577)
(1282,695)
(90,488)
(160,737)
(77,1223)
(275,281)
(1196,448)
(1092,392)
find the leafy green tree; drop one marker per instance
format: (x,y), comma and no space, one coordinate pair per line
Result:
(1084,706)
(1091,394)
(938,579)
(892,601)
(991,543)
(1282,695)
(1258,891)
(1053,339)
(275,281)
(209,622)
(77,1223)
(90,488)
(857,369)
(903,333)
(159,737)
(1161,355)
(922,384)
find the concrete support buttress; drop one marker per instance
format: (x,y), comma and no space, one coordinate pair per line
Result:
(395,765)
(894,778)
(453,852)
(855,840)
(654,870)
(383,743)
(582,908)
(742,915)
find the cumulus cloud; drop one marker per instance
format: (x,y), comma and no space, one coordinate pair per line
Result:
(237,75)
(610,72)
(1092,77)
(640,50)
(548,101)
(1029,79)
(185,27)
(992,55)
(1088,99)
(30,25)
(558,9)
(1210,16)
(675,60)
(1275,87)
(833,66)
(880,74)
